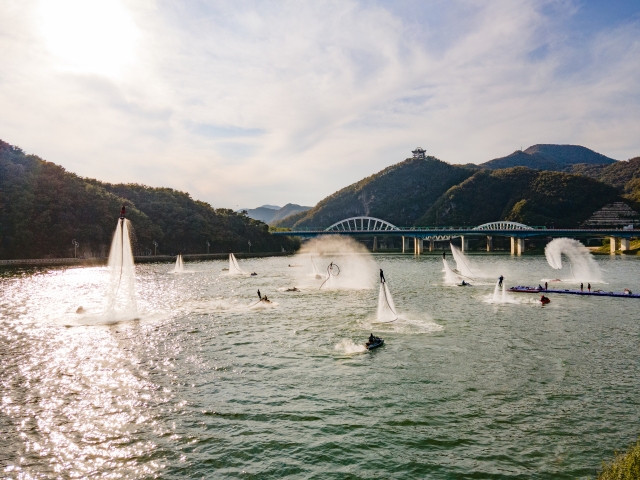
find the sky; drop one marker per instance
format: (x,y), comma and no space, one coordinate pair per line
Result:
(247,103)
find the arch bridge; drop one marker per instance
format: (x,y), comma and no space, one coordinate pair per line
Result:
(367,226)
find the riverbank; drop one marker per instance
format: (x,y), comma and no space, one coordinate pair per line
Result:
(196,257)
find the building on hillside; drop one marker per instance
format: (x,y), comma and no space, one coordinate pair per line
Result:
(419,153)
(617,214)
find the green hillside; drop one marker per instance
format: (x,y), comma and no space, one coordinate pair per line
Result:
(399,194)
(43,208)
(549,157)
(521,195)
(623,175)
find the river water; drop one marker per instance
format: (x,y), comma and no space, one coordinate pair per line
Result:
(202,386)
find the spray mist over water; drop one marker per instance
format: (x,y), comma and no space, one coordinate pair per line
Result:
(356,266)
(582,265)
(121,295)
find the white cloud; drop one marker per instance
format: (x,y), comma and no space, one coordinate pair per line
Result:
(246,103)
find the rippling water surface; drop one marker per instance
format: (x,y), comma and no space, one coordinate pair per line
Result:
(202,386)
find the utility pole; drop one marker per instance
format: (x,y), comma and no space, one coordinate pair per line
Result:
(155,248)
(75,248)
(208,245)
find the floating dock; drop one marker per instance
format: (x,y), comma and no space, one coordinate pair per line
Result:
(594,293)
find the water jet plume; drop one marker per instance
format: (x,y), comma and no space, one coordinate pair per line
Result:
(582,265)
(450,277)
(179,268)
(461,262)
(234,268)
(386,307)
(121,297)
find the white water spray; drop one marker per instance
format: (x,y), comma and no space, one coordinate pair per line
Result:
(179,268)
(386,308)
(349,347)
(450,276)
(500,296)
(582,265)
(121,296)
(234,268)
(461,261)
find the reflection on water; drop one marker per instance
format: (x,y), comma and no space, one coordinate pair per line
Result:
(201,385)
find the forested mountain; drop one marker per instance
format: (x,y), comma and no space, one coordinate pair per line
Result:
(623,175)
(43,208)
(549,157)
(402,192)
(521,195)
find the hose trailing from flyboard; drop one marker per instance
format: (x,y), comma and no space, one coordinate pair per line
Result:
(333,270)
(384,290)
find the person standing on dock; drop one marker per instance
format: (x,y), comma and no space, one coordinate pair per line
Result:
(589,287)
(582,287)
(546,286)
(500,281)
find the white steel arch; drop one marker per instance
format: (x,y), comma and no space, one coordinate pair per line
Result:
(503,225)
(361,224)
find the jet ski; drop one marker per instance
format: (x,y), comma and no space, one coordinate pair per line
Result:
(544,300)
(377,342)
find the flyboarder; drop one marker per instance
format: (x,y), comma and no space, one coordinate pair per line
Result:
(123,212)
(382,280)
(259,296)
(500,280)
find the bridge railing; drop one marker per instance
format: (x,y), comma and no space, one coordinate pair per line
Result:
(376,232)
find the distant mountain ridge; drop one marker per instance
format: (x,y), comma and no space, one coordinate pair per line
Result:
(271,213)
(549,157)
(533,186)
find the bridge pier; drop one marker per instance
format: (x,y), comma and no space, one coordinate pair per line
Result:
(625,244)
(432,244)
(517,246)
(375,244)
(612,245)
(418,246)
(489,243)
(465,243)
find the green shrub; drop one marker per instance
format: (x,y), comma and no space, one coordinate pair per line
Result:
(625,466)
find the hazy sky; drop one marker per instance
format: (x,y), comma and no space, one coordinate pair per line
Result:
(246,103)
